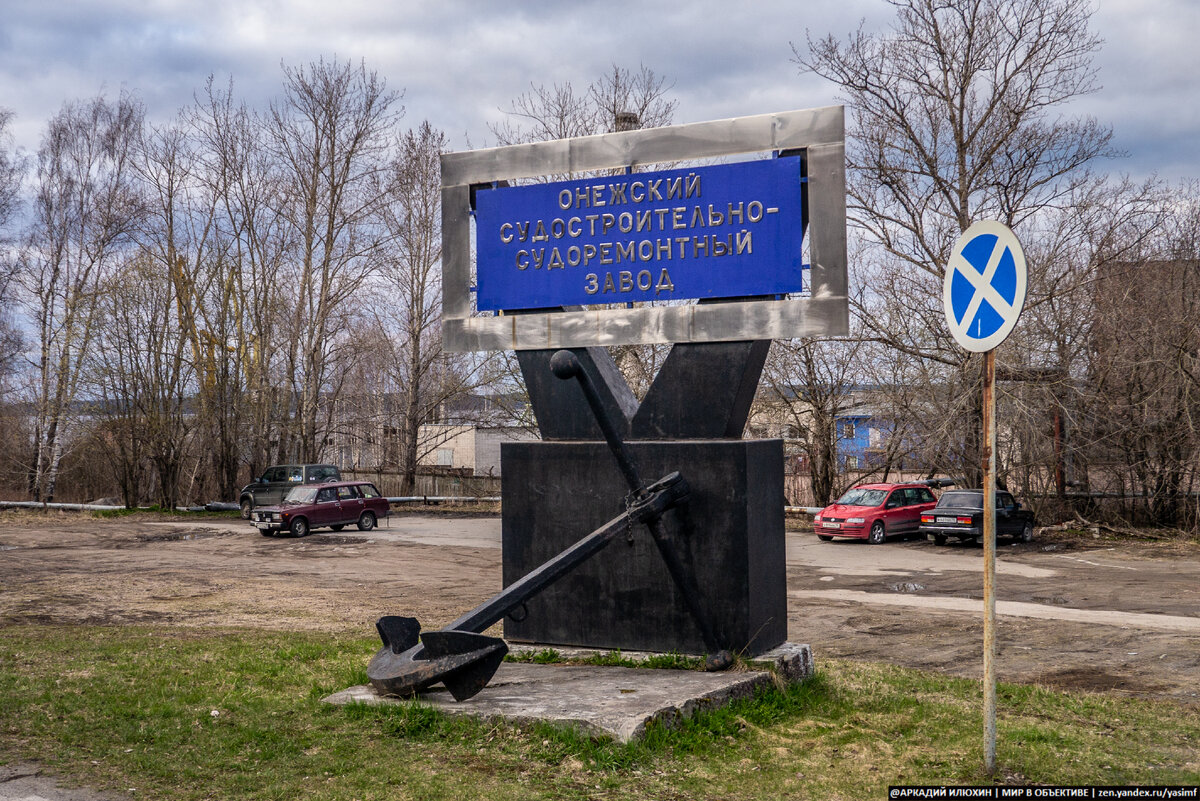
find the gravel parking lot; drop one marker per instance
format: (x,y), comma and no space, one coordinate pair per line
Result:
(1073,613)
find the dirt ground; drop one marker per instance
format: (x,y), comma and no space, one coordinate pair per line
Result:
(1073,613)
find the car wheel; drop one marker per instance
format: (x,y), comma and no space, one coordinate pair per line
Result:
(338,527)
(825,538)
(1027,533)
(367,521)
(877,533)
(299,527)
(247,507)
(939,539)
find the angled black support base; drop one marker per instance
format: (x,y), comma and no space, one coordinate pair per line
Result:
(730,531)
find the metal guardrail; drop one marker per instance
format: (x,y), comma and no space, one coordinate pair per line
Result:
(444,499)
(69,507)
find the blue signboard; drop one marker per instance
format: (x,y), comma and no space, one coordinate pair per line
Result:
(730,230)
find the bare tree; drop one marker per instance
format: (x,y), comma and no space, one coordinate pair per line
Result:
(142,378)
(86,209)
(183,238)
(254,300)
(12,171)
(955,118)
(329,134)
(811,383)
(621,99)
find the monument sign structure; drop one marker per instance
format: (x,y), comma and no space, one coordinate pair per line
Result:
(692,235)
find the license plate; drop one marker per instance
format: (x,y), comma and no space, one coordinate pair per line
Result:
(831,525)
(262,524)
(945,520)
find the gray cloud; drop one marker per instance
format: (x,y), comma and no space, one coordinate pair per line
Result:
(460,62)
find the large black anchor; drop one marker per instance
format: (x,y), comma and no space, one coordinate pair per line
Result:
(462,658)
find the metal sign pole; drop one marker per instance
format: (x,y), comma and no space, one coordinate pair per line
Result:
(989,562)
(983,292)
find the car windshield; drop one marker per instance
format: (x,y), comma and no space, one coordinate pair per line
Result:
(863,497)
(301,495)
(961,500)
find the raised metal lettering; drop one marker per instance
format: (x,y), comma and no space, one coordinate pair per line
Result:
(664,282)
(625,222)
(564,199)
(556,260)
(626,279)
(625,252)
(644,285)
(522,259)
(692,187)
(744,245)
(754,211)
(503,237)
(592,285)
(715,217)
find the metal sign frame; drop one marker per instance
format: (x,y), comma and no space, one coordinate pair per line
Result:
(820,133)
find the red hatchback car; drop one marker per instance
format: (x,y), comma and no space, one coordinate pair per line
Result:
(873,512)
(335,505)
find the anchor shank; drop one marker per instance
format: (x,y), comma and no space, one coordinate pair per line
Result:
(660,497)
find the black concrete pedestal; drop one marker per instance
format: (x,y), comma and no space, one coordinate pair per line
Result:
(730,533)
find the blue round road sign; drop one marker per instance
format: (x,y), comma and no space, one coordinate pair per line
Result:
(984,289)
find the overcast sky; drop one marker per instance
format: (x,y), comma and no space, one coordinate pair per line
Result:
(459,63)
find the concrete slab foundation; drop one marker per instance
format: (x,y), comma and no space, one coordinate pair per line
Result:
(616,702)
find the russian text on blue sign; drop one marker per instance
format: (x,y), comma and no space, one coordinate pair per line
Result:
(730,230)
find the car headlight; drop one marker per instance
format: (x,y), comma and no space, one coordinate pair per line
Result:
(855,520)
(276,517)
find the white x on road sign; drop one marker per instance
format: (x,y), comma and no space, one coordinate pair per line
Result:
(984,289)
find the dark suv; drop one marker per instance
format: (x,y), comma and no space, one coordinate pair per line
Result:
(274,484)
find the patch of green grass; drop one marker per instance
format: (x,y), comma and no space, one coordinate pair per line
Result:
(615,658)
(186,714)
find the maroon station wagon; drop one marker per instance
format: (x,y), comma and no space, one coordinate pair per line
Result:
(334,505)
